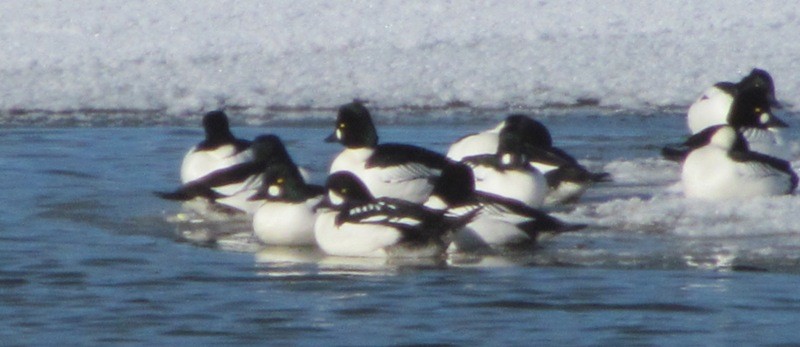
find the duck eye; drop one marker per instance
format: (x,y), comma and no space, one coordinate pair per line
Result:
(280,180)
(342,125)
(757,110)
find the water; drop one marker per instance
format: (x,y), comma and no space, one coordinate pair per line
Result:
(89,256)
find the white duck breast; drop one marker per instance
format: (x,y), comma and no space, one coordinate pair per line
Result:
(352,159)
(198,163)
(238,194)
(375,236)
(710,174)
(401,177)
(286,223)
(527,186)
(360,225)
(718,171)
(486,233)
(501,223)
(353,239)
(481,143)
(711,108)
(289,209)
(219,149)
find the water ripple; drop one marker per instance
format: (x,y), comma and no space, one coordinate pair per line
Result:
(589,307)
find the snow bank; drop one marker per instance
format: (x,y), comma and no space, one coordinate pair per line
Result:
(189,56)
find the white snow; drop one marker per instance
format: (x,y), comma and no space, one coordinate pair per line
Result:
(187,56)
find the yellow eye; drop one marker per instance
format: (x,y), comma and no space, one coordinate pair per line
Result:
(280,180)
(757,110)
(342,125)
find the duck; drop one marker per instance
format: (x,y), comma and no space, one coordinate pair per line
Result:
(388,170)
(498,223)
(508,173)
(232,187)
(289,206)
(219,149)
(486,142)
(356,224)
(721,166)
(713,107)
(566,178)
(751,116)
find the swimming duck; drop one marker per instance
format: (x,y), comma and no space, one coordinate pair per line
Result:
(219,149)
(388,170)
(499,223)
(508,173)
(233,186)
(751,116)
(566,178)
(722,166)
(713,107)
(359,225)
(288,211)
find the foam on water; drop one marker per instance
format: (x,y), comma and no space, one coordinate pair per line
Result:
(647,196)
(186,56)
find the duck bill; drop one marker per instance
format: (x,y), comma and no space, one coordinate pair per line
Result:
(332,138)
(775,122)
(774,102)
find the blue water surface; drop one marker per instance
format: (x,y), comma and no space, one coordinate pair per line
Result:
(88,256)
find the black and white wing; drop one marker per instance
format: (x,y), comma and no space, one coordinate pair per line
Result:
(528,219)
(205,187)
(401,162)
(762,165)
(386,211)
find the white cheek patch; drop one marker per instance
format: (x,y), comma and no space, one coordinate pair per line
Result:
(339,134)
(274,191)
(336,199)
(764,118)
(506,159)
